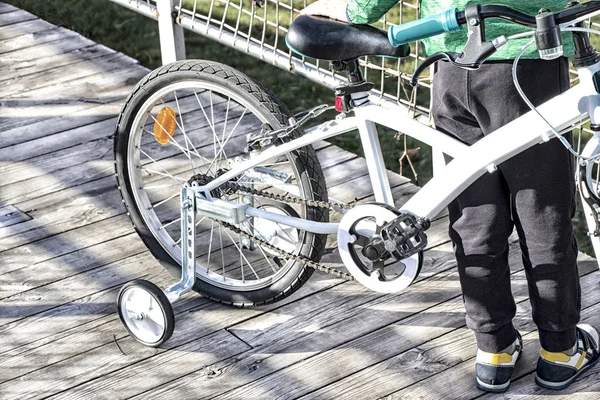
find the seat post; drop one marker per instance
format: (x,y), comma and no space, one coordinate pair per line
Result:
(351,67)
(346,94)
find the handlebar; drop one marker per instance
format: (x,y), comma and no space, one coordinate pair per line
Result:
(452,20)
(423,28)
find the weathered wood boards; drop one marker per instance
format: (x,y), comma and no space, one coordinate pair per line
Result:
(66,247)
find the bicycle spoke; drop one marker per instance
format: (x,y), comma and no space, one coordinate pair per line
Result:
(160,186)
(162,227)
(212,228)
(242,255)
(168,174)
(174,142)
(222,254)
(165,200)
(198,112)
(182,128)
(267,258)
(222,147)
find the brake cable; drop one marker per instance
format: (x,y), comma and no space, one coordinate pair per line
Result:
(533,108)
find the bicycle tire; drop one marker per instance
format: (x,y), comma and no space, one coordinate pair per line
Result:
(305,159)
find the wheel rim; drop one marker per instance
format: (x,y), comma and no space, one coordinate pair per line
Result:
(143,315)
(246,276)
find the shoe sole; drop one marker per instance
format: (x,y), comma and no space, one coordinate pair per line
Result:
(564,384)
(493,388)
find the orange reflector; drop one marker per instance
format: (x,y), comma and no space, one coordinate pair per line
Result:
(165,125)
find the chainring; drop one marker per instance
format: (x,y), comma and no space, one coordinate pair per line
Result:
(356,229)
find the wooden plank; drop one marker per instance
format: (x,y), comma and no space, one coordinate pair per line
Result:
(10,215)
(4,8)
(13,17)
(338,316)
(61,244)
(95,200)
(353,324)
(41,336)
(28,336)
(43,273)
(64,243)
(33,39)
(50,172)
(76,95)
(65,210)
(312,373)
(311,337)
(20,62)
(118,381)
(91,60)
(91,304)
(336,305)
(28,142)
(329,280)
(52,337)
(68,265)
(23,28)
(60,217)
(218,346)
(430,368)
(75,287)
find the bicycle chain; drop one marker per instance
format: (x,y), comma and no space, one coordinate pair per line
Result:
(288,199)
(284,254)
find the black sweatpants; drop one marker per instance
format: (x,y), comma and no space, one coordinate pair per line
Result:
(533,192)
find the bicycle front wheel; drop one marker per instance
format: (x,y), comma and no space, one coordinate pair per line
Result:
(188,122)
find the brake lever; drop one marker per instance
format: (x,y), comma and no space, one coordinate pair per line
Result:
(476,51)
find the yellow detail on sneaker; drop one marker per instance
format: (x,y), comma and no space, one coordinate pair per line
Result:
(554,357)
(580,361)
(493,358)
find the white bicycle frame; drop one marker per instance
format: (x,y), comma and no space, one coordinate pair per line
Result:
(468,164)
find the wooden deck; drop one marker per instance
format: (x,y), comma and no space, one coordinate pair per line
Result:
(66,247)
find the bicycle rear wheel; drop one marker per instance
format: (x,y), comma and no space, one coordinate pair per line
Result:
(186,122)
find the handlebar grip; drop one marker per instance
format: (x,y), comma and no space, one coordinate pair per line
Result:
(424,28)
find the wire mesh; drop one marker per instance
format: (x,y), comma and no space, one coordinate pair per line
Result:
(264,24)
(258,28)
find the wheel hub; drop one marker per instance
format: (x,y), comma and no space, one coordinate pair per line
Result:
(205,179)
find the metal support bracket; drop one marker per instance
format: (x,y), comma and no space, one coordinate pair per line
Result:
(188,248)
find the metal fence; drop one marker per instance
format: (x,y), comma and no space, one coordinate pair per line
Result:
(259,30)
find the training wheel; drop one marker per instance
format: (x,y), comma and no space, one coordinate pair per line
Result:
(146,312)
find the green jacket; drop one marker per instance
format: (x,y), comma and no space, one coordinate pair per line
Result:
(369,11)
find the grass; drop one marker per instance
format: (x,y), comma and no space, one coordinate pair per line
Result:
(137,36)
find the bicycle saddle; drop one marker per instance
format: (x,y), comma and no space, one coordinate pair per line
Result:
(328,39)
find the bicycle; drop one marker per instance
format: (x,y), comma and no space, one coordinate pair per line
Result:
(224,188)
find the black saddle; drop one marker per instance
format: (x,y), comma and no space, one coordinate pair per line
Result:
(328,39)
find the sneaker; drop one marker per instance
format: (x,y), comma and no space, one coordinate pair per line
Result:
(558,370)
(493,370)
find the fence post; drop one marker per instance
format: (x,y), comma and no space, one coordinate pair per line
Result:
(172,45)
